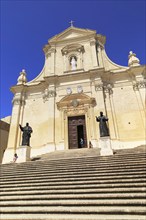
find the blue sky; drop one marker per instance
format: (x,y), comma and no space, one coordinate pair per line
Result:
(27,25)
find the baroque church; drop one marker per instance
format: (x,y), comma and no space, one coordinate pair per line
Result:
(77,82)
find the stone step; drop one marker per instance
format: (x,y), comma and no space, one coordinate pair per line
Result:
(75,209)
(81,202)
(89,153)
(93,157)
(83,195)
(77,174)
(83,171)
(48,169)
(86,151)
(75,178)
(72,181)
(71,217)
(33,165)
(107,159)
(22,186)
(79,186)
(83,189)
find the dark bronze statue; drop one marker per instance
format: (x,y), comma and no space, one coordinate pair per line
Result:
(27,130)
(104,131)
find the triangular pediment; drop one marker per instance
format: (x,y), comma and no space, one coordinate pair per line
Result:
(71,33)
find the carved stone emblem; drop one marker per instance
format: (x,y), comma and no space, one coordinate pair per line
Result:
(80,89)
(75,103)
(68,90)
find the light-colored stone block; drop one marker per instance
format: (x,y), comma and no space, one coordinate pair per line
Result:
(105,145)
(23,154)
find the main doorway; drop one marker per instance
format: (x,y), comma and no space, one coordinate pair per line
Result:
(77,132)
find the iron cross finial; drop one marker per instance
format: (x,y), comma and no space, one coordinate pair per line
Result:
(71,23)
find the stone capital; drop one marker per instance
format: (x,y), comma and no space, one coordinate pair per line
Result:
(19,100)
(92,42)
(139,85)
(48,94)
(108,88)
(99,87)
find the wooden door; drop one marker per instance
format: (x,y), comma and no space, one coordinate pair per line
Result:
(76,130)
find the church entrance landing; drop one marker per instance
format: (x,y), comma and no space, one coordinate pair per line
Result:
(77,131)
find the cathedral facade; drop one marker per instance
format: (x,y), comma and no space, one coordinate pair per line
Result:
(77,82)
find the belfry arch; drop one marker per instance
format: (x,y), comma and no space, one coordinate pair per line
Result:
(77,119)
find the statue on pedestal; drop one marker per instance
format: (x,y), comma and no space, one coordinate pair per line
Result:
(27,130)
(104,131)
(73,63)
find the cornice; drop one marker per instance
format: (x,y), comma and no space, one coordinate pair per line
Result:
(27,88)
(18,88)
(101,39)
(72,29)
(73,39)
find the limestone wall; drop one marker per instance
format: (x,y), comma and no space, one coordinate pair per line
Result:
(96,84)
(4,132)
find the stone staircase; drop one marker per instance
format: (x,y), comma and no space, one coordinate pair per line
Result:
(75,185)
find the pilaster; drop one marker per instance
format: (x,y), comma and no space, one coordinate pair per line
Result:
(93,51)
(13,140)
(100,60)
(100,99)
(65,61)
(108,93)
(49,96)
(48,64)
(53,51)
(140,89)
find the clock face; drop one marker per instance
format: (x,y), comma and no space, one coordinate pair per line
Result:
(69,91)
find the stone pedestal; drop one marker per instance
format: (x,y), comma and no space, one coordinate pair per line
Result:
(105,146)
(23,154)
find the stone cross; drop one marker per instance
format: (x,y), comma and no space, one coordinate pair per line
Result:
(71,23)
